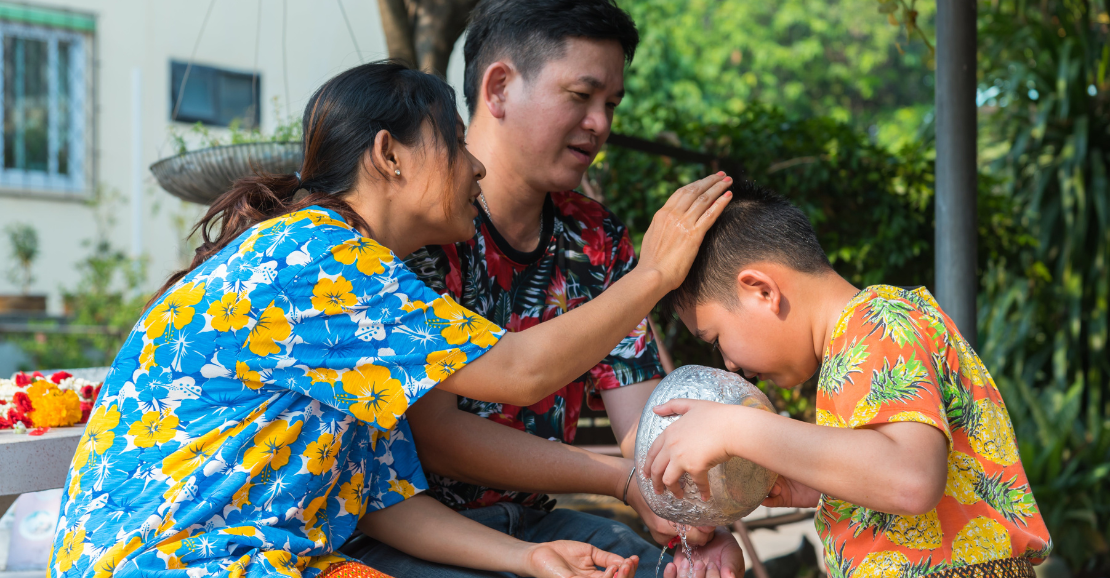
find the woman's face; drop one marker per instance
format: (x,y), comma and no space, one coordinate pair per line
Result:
(446,193)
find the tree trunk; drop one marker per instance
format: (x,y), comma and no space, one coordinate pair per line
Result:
(423,32)
(398,30)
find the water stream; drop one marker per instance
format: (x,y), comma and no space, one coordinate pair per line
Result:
(685,547)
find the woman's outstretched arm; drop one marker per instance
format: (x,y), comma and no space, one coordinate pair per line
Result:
(424,528)
(525,367)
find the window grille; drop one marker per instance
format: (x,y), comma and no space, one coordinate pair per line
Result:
(43,92)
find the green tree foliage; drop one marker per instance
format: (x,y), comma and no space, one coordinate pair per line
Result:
(1044,310)
(706,60)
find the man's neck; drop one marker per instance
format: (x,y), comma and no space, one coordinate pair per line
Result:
(514,206)
(833,294)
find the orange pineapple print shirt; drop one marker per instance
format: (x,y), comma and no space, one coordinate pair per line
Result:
(895,356)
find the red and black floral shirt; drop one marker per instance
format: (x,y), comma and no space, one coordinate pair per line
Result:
(587,249)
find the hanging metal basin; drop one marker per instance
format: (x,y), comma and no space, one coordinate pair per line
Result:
(202,176)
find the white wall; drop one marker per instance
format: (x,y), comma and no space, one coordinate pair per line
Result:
(147,34)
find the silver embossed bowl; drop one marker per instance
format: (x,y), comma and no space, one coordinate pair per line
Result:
(736,486)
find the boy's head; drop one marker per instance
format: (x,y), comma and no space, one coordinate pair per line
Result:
(548,74)
(753,286)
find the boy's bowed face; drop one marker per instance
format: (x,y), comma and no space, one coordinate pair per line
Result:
(753,341)
(559,118)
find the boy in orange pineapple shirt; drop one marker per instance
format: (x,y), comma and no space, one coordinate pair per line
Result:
(912,464)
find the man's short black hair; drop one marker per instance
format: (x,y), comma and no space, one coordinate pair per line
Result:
(529,33)
(758,225)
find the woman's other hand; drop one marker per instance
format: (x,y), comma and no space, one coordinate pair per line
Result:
(787,493)
(567,559)
(677,229)
(720,558)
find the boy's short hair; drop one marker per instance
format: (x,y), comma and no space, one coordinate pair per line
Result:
(530,33)
(757,225)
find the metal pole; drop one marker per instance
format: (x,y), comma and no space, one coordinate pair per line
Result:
(956,171)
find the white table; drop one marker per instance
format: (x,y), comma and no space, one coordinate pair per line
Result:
(34,463)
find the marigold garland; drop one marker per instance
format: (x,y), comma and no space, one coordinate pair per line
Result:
(37,401)
(52,406)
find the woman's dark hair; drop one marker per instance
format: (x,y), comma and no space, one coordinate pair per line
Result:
(530,33)
(340,123)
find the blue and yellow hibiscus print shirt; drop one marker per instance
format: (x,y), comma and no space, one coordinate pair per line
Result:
(256,411)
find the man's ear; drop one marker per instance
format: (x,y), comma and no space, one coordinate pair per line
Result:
(495,87)
(757,288)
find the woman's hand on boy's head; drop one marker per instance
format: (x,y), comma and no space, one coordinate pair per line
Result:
(787,493)
(677,229)
(692,444)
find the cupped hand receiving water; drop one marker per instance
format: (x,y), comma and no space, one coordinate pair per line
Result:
(677,229)
(567,559)
(720,558)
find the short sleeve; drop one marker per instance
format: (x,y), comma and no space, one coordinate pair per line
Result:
(636,357)
(398,474)
(883,369)
(355,329)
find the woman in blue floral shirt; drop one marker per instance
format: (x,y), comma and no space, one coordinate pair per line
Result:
(256,412)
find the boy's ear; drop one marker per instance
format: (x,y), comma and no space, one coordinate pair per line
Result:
(495,87)
(756,288)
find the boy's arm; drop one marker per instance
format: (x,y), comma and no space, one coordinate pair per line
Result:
(469,448)
(896,468)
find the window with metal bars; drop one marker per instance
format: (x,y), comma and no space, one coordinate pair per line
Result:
(43,91)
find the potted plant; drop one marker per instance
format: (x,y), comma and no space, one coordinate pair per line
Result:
(24,240)
(203,174)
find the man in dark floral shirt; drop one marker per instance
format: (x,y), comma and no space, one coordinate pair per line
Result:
(586,249)
(543,78)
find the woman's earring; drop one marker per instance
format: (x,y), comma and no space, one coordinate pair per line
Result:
(398,171)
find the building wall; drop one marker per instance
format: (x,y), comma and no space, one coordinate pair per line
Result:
(147,35)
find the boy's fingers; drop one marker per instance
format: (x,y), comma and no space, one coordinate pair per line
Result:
(712,571)
(657,468)
(673,407)
(672,479)
(702,481)
(671,571)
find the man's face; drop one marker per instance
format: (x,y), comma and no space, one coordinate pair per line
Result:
(754,341)
(558,120)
